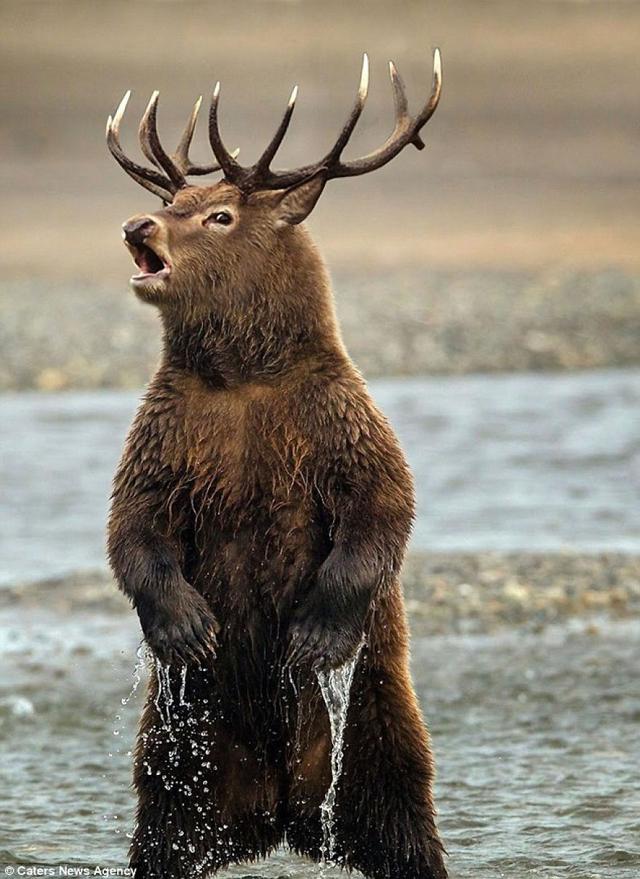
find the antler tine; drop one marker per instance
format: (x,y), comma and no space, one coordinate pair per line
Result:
(232,170)
(145,146)
(263,163)
(182,150)
(399,93)
(434,98)
(146,177)
(400,103)
(356,112)
(151,146)
(181,156)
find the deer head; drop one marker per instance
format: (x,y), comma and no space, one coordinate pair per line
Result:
(208,242)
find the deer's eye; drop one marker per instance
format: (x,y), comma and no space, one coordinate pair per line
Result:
(221,218)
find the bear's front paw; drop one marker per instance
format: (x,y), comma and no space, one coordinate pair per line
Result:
(321,644)
(181,629)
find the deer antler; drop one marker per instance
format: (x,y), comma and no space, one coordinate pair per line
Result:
(406,131)
(170,172)
(176,167)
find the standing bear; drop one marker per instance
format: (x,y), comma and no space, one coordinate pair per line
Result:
(259,520)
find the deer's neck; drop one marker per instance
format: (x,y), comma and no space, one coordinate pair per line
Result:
(211,349)
(261,332)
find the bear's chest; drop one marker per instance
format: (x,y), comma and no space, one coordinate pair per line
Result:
(247,479)
(242,452)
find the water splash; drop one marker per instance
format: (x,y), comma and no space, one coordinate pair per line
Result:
(335,686)
(142,658)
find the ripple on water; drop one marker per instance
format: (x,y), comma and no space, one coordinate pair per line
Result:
(530,783)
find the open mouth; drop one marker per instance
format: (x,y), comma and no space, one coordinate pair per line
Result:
(153,267)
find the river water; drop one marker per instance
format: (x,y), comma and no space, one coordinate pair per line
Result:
(536,740)
(504,462)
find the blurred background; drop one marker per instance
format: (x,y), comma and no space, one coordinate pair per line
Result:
(488,286)
(510,243)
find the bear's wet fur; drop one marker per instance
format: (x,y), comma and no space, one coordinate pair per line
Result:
(259,520)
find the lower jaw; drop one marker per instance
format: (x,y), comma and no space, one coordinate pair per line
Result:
(151,277)
(149,280)
(149,288)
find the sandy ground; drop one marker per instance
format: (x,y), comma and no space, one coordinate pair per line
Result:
(532,157)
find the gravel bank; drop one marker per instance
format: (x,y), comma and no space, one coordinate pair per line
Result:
(394,323)
(446,593)
(452,593)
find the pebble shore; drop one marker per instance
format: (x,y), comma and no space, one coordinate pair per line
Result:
(483,592)
(451,593)
(414,322)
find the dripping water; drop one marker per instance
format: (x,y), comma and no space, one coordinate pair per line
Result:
(183,685)
(335,686)
(164,694)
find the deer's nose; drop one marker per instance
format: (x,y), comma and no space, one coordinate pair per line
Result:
(135,231)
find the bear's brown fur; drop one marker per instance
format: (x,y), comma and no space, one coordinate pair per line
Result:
(263,503)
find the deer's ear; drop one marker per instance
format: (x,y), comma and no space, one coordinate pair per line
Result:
(294,205)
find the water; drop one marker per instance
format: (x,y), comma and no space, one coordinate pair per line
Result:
(504,462)
(335,686)
(536,739)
